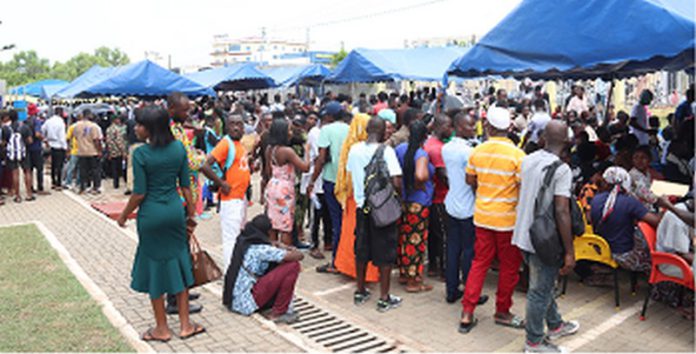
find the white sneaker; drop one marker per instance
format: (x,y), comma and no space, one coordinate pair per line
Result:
(543,347)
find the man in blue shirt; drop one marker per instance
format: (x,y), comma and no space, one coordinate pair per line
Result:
(684,110)
(35,157)
(459,204)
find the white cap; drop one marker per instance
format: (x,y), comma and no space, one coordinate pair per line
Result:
(499,118)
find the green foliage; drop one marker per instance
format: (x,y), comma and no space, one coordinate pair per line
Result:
(27,66)
(338,57)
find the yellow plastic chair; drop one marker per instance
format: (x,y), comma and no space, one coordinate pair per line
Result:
(588,226)
(595,248)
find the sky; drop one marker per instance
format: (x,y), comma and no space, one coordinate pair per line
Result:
(59,29)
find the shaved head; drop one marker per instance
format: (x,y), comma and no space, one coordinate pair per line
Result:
(376,127)
(556,133)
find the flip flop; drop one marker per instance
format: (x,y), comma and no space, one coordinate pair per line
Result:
(327,268)
(30,199)
(419,288)
(18,200)
(465,328)
(148,337)
(514,322)
(197,329)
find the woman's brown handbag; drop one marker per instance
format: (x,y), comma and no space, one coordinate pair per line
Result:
(204,268)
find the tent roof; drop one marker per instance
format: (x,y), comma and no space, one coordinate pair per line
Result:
(420,64)
(144,78)
(243,76)
(89,77)
(36,88)
(585,39)
(290,75)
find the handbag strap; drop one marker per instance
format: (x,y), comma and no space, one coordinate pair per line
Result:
(195,245)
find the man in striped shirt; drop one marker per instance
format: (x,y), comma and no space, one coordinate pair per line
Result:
(493,173)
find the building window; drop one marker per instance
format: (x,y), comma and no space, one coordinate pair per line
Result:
(261,48)
(248,48)
(234,48)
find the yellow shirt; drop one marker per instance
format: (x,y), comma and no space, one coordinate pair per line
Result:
(71,139)
(497,167)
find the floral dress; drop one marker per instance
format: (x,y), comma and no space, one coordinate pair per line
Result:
(280,195)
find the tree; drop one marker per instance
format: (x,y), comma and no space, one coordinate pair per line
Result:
(113,57)
(25,67)
(338,57)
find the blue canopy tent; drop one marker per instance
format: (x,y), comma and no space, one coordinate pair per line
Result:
(145,79)
(312,75)
(35,88)
(583,39)
(238,77)
(418,64)
(93,75)
(282,75)
(48,91)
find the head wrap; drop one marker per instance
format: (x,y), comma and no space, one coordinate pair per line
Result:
(356,134)
(619,180)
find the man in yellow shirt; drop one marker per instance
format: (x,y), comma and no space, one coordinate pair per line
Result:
(493,172)
(71,172)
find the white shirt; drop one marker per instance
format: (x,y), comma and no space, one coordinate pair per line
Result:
(578,105)
(359,157)
(537,124)
(54,132)
(312,140)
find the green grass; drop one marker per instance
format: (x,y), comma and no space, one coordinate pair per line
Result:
(43,308)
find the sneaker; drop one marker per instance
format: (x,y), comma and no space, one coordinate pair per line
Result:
(565,329)
(543,347)
(361,298)
(391,302)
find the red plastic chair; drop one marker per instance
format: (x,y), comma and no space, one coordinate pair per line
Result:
(663,258)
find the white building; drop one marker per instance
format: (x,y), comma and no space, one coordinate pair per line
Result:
(265,51)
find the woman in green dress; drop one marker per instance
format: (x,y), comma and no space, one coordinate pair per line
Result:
(162,260)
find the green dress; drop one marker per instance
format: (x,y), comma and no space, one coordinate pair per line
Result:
(162,260)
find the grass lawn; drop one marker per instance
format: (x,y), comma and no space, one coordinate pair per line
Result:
(43,308)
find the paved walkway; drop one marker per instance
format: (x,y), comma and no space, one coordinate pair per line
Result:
(424,322)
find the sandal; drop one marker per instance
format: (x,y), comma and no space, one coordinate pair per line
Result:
(316,254)
(419,288)
(148,337)
(465,328)
(18,200)
(197,329)
(513,322)
(30,199)
(327,268)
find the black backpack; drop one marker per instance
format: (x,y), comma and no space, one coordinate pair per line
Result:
(381,202)
(544,234)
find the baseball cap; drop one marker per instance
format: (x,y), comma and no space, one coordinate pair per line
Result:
(332,108)
(499,118)
(388,115)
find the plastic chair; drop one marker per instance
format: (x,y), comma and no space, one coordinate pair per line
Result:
(595,248)
(663,258)
(588,225)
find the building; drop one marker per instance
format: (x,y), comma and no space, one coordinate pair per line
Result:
(462,41)
(264,51)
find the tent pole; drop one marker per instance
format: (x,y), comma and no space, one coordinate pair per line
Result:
(606,106)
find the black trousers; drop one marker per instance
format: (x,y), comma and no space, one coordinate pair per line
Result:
(36,162)
(321,216)
(117,170)
(437,238)
(90,175)
(57,161)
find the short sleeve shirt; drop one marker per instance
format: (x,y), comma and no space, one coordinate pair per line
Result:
(420,196)
(86,133)
(256,260)
(332,137)
(641,114)
(497,166)
(459,201)
(433,146)
(238,175)
(619,226)
(359,157)
(533,175)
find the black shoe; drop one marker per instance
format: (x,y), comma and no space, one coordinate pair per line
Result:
(194,296)
(193,308)
(302,246)
(482,299)
(127,192)
(457,295)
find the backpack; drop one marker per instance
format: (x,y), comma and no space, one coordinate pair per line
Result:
(543,232)
(16,147)
(382,203)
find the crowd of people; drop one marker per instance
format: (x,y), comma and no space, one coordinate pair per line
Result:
(466,182)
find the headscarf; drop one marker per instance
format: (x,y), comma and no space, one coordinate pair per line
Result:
(619,180)
(254,233)
(356,134)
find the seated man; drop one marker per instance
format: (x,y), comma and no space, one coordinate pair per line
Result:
(674,236)
(250,285)
(642,177)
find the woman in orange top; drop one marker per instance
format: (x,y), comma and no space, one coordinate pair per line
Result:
(345,255)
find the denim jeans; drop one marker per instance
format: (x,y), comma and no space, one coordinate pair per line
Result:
(71,172)
(460,252)
(336,214)
(541,304)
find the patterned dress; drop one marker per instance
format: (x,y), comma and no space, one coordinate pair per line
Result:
(195,157)
(280,195)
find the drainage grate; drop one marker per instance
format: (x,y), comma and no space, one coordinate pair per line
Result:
(337,335)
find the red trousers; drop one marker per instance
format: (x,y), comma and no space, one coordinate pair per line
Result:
(492,244)
(277,286)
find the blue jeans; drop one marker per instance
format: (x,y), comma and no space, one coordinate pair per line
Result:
(541,304)
(336,214)
(71,172)
(460,252)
